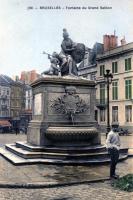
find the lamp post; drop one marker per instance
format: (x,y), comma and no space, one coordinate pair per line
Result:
(108,78)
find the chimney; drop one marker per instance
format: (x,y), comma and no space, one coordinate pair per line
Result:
(16,78)
(33,75)
(113,41)
(106,42)
(110,42)
(22,76)
(123,41)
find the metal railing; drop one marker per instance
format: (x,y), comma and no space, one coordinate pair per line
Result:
(101,103)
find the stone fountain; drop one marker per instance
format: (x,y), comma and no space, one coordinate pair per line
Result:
(63,112)
(63,129)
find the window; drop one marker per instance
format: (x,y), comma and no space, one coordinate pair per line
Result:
(3,102)
(17,103)
(114,90)
(7,102)
(127,64)
(93,76)
(7,113)
(114,113)
(85,76)
(3,92)
(102,70)
(7,92)
(114,67)
(128,89)
(128,113)
(102,115)
(102,93)
(12,113)
(96,115)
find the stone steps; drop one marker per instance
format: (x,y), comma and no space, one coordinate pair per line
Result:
(56,155)
(12,157)
(60,149)
(21,153)
(17,160)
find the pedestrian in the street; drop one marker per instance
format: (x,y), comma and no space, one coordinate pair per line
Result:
(16,130)
(113,146)
(25,130)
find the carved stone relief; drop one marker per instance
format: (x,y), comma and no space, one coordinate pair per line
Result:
(70,103)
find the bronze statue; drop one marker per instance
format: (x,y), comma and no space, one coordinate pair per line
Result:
(54,69)
(67,44)
(66,61)
(74,53)
(67,47)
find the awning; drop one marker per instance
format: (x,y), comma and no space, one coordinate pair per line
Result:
(5,123)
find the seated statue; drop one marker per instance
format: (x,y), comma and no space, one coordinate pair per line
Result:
(67,44)
(67,47)
(71,54)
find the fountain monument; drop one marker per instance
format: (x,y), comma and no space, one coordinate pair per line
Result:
(63,129)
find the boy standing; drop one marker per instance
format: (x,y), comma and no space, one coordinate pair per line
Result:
(113,146)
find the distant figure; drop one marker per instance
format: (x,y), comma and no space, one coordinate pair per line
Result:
(25,130)
(16,130)
(113,146)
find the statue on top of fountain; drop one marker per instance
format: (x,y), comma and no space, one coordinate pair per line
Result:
(65,63)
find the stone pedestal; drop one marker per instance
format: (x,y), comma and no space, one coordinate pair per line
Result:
(63,112)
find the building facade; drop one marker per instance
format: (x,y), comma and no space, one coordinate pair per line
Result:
(15,103)
(28,97)
(88,67)
(17,99)
(119,61)
(5,93)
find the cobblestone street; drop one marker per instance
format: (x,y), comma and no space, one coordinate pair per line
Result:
(97,191)
(57,174)
(11,138)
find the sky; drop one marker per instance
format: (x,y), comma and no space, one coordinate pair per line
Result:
(29,27)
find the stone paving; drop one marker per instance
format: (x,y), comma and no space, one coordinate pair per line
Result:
(11,138)
(95,191)
(59,174)
(54,174)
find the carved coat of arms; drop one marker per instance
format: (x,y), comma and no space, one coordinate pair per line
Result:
(70,103)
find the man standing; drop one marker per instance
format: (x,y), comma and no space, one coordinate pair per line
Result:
(113,146)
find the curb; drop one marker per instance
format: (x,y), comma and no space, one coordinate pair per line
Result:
(47,185)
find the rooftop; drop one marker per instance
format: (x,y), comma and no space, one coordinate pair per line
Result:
(5,80)
(116,51)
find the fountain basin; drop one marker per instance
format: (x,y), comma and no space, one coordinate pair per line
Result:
(69,134)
